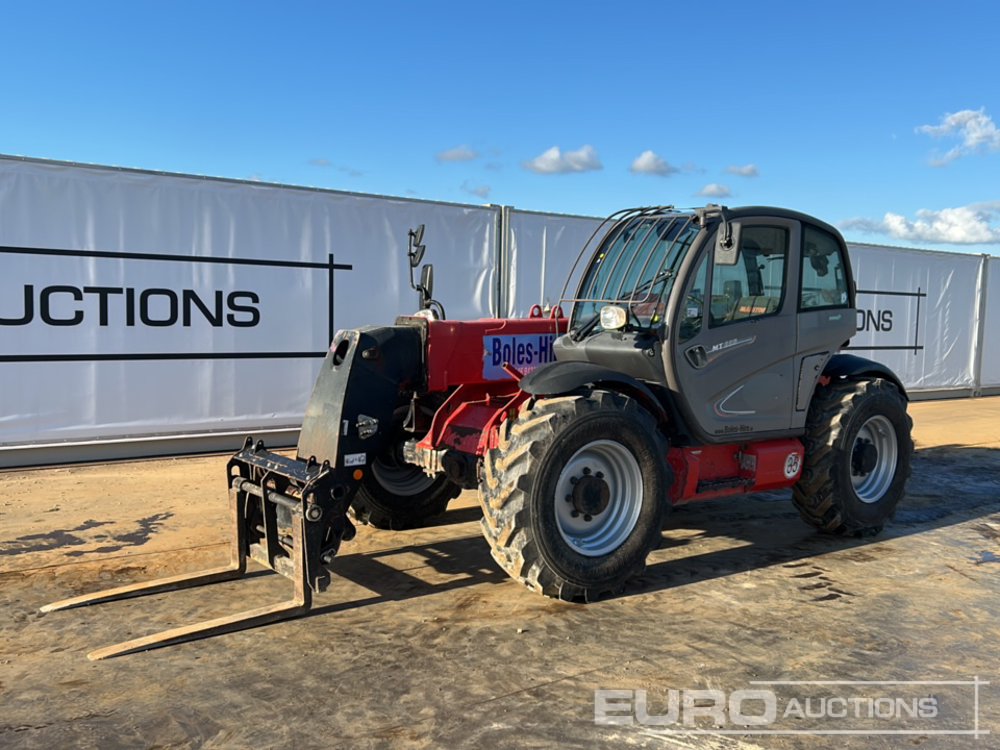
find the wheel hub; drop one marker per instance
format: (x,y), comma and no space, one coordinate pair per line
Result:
(874,458)
(598,497)
(591,495)
(865,458)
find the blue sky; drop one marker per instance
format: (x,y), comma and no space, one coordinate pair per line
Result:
(878,117)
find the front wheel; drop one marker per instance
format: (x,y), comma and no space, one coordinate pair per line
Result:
(574,495)
(858,450)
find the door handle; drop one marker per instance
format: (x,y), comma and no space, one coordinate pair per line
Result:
(696,356)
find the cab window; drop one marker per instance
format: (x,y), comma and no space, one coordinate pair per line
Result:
(824,282)
(754,286)
(692,312)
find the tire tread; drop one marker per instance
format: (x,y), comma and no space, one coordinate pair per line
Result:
(508,481)
(818,495)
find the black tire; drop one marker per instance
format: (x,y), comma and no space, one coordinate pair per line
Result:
(395,495)
(379,507)
(848,487)
(545,451)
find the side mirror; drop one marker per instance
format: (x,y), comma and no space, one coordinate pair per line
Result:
(426,284)
(727,244)
(416,249)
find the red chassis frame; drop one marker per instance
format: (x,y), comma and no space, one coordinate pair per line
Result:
(469,419)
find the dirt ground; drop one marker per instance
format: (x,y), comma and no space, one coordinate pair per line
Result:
(421,641)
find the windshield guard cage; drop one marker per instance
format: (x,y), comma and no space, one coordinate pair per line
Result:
(635,256)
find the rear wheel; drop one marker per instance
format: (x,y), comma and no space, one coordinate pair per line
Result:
(858,450)
(574,496)
(397,495)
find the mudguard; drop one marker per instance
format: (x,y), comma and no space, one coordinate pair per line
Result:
(562,377)
(852,366)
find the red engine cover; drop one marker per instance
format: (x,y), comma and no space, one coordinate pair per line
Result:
(482,360)
(475,351)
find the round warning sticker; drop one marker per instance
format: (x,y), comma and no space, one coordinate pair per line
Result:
(792,465)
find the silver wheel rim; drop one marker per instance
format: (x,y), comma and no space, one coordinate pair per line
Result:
(605,531)
(402,481)
(871,486)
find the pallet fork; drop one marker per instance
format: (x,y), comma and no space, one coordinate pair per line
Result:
(285,514)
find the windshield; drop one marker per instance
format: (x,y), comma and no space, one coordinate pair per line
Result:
(635,267)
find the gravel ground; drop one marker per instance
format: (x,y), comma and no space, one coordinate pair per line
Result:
(422,641)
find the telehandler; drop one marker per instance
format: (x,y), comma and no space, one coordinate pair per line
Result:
(702,358)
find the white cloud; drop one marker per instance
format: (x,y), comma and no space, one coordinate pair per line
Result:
(554,161)
(747,170)
(975,224)
(480,191)
(976,130)
(649,162)
(715,190)
(868,226)
(459,153)
(320,162)
(351,172)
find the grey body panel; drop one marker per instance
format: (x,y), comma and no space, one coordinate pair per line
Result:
(560,377)
(739,354)
(820,335)
(752,377)
(810,368)
(639,354)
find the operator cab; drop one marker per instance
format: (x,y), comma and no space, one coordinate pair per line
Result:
(728,314)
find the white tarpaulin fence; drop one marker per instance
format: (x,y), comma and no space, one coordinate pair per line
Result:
(917,312)
(136,305)
(539,253)
(990,337)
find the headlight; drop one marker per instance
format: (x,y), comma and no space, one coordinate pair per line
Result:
(613,317)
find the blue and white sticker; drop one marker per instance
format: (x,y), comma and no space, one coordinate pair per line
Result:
(524,352)
(355,459)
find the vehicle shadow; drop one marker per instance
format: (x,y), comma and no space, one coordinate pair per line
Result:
(432,568)
(456,515)
(949,485)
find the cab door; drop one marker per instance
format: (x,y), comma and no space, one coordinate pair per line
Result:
(733,344)
(826,319)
